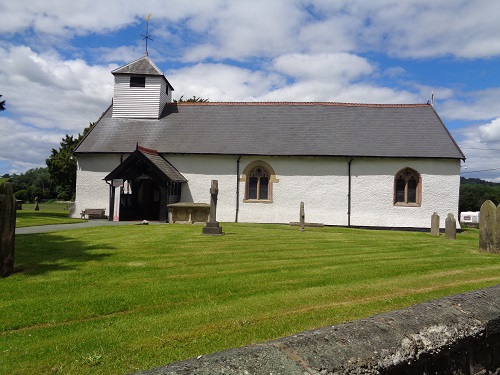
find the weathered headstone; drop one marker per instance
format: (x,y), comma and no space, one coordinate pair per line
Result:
(7,229)
(488,227)
(450,227)
(302,217)
(36,204)
(497,245)
(212,227)
(435,224)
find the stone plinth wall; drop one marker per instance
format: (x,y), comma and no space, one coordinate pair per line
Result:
(453,335)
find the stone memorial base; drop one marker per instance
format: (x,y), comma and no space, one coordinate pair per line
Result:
(213,229)
(188,213)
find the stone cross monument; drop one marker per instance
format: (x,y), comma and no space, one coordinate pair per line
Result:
(212,226)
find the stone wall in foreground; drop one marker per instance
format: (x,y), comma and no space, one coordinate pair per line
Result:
(459,334)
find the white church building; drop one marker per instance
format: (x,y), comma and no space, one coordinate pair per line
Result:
(366,165)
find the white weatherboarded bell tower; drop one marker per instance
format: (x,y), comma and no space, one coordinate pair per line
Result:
(141,90)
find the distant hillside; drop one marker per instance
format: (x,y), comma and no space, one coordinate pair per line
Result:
(474,191)
(477,181)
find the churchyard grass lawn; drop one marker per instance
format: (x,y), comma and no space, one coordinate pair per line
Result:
(119,299)
(49,213)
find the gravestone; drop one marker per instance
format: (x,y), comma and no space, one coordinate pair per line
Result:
(488,227)
(450,227)
(7,229)
(435,224)
(212,226)
(497,245)
(302,217)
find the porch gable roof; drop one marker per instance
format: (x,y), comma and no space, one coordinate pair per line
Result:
(142,161)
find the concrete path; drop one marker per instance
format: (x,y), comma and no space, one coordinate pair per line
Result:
(88,224)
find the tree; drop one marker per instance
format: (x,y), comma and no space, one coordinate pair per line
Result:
(194,99)
(62,166)
(33,183)
(474,191)
(2,104)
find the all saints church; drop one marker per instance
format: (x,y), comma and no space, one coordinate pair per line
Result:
(367,165)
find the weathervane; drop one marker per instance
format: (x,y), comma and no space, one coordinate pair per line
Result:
(147,36)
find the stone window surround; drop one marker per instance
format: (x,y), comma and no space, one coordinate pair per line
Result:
(409,171)
(272,179)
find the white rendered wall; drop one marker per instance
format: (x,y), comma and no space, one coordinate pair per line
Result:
(373,192)
(321,183)
(318,182)
(91,189)
(199,172)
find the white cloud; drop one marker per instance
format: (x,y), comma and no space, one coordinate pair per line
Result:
(239,29)
(24,147)
(50,92)
(124,54)
(46,97)
(219,82)
(66,17)
(423,28)
(315,78)
(475,105)
(481,145)
(340,67)
(490,132)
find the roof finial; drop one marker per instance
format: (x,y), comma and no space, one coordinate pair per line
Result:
(147,36)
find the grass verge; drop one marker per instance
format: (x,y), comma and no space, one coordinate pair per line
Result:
(49,213)
(119,299)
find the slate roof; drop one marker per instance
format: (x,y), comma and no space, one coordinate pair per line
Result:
(280,129)
(142,66)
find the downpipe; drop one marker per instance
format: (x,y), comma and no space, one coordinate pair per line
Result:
(237,188)
(349,191)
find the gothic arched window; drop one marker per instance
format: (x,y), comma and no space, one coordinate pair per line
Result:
(407,188)
(259,178)
(258,184)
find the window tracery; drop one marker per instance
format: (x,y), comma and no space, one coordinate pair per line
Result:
(259,178)
(407,188)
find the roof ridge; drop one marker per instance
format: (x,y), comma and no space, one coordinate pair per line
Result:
(146,58)
(338,104)
(146,150)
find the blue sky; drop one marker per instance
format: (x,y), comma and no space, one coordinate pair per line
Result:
(56,58)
